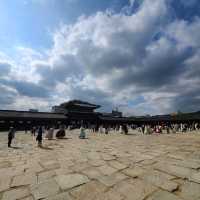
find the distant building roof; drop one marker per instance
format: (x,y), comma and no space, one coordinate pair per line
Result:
(28,114)
(79,103)
(33,110)
(169,117)
(116,119)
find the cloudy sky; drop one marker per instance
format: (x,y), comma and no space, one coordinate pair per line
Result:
(142,56)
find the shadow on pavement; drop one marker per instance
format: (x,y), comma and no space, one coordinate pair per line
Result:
(16,147)
(63,138)
(45,148)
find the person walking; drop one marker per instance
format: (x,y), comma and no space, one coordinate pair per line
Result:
(49,134)
(143,129)
(39,136)
(125,129)
(33,131)
(11,136)
(82,133)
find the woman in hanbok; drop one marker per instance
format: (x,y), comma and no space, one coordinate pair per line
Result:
(82,133)
(101,129)
(120,129)
(145,130)
(49,134)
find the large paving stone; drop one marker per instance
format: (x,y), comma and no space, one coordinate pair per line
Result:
(5,164)
(108,157)
(93,156)
(112,179)
(15,194)
(134,172)
(135,190)
(88,191)
(44,189)
(25,179)
(107,170)
(61,196)
(50,164)
(110,195)
(162,174)
(117,165)
(195,177)
(97,163)
(92,173)
(125,161)
(79,167)
(33,167)
(19,170)
(177,156)
(7,172)
(141,157)
(175,170)
(62,171)
(159,180)
(67,163)
(163,195)
(45,175)
(28,198)
(188,163)
(147,162)
(4,183)
(19,163)
(190,190)
(71,180)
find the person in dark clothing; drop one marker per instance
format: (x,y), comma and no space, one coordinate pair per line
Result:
(125,129)
(106,129)
(11,135)
(39,136)
(143,127)
(60,133)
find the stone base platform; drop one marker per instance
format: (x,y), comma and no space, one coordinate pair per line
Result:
(101,167)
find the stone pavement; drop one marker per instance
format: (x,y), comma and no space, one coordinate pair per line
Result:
(102,167)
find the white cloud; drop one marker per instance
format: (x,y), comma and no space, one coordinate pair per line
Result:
(185,33)
(112,58)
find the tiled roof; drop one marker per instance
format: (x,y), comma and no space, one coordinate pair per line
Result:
(79,103)
(121,119)
(26,114)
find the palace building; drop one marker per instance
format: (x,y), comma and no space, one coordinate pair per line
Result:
(28,119)
(77,112)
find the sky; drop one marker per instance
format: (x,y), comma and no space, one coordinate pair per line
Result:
(142,56)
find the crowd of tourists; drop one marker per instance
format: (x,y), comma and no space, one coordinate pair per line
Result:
(39,133)
(169,128)
(48,132)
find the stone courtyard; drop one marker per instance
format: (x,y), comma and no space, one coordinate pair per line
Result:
(102,167)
